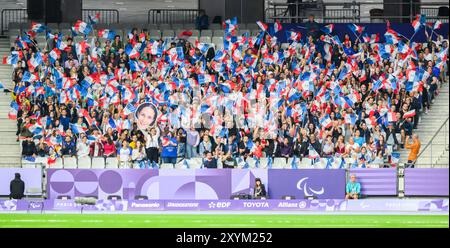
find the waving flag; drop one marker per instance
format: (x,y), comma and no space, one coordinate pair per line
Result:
(94,19)
(391,37)
(82,27)
(37,27)
(230,25)
(418,22)
(409,114)
(328,29)
(107,34)
(131,52)
(437,25)
(11,59)
(294,36)
(35,61)
(326,122)
(277,27)
(262,25)
(356,28)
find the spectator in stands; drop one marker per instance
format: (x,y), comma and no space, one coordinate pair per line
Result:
(42,149)
(228,161)
(152,144)
(28,148)
(109,148)
(312,27)
(83,148)
(124,155)
(210,161)
(353,189)
(68,147)
(192,142)
(16,187)
(169,149)
(259,190)
(414,147)
(138,156)
(202,21)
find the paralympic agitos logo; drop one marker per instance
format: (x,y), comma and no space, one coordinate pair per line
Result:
(302,184)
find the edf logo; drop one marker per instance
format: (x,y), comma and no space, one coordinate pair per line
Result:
(219,204)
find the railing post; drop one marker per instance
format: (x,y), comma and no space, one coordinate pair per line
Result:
(431,154)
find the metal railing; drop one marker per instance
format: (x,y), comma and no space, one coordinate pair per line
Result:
(345,12)
(107,16)
(172,16)
(428,156)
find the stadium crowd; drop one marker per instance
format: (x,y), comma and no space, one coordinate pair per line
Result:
(356,100)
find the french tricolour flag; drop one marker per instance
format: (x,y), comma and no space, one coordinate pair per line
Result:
(262,25)
(437,25)
(325,122)
(82,27)
(419,21)
(37,27)
(328,29)
(391,37)
(356,28)
(107,34)
(409,114)
(11,59)
(35,61)
(77,129)
(131,52)
(54,55)
(277,27)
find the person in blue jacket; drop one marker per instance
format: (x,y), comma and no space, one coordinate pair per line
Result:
(169,149)
(353,189)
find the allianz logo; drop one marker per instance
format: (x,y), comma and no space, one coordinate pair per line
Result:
(301,204)
(145,205)
(256,204)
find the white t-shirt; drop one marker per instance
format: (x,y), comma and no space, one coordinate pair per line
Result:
(124,154)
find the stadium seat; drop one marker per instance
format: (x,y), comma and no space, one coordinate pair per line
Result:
(215,26)
(84,162)
(243,31)
(205,39)
(218,33)
(165,166)
(151,27)
(168,32)
(195,163)
(154,33)
(263,163)
(252,26)
(255,32)
(164,26)
(28,165)
(53,26)
(192,39)
(58,164)
(251,162)
(279,163)
(70,163)
(98,163)
(111,163)
(189,26)
(114,197)
(177,26)
(207,32)
(218,41)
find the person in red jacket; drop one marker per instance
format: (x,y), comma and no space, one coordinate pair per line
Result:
(109,148)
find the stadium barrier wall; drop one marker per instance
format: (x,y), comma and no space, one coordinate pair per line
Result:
(331,205)
(381,182)
(426,182)
(32,177)
(194,184)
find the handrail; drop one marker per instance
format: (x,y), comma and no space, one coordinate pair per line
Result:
(171,16)
(432,138)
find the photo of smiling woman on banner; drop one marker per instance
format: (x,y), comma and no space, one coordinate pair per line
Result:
(145,115)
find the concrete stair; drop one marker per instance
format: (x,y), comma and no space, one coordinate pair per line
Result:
(9,148)
(435,155)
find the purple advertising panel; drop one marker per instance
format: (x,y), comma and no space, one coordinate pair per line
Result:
(128,183)
(426,182)
(323,184)
(317,205)
(31,176)
(373,181)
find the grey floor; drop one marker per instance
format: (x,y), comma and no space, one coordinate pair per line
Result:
(133,11)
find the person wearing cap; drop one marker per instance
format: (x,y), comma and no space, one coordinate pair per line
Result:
(16,187)
(353,188)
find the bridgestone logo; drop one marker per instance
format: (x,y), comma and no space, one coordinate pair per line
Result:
(182,205)
(145,205)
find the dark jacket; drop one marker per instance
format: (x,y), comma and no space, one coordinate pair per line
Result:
(17,187)
(262,193)
(212,164)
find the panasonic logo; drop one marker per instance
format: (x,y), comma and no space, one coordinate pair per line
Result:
(145,205)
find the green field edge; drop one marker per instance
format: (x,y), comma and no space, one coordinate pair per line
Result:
(220,221)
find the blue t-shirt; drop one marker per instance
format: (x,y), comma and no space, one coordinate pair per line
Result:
(360,141)
(353,188)
(170,151)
